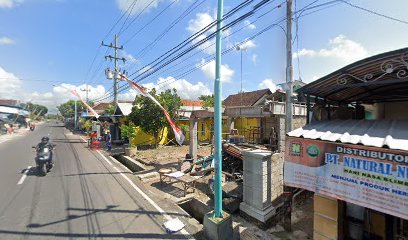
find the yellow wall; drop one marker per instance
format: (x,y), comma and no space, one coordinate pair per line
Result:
(204,128)
(245,124)
(143,138)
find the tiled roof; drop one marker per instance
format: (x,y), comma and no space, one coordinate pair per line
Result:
(8,102)
(191,103)
(248,98)
(101,106)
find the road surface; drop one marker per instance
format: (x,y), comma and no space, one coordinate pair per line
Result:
(85,196)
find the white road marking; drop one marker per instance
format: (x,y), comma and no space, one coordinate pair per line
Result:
(144,195)
(24,175)
(83,139)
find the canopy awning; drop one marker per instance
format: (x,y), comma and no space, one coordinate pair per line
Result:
(391,134)
(10,110)
(380,78)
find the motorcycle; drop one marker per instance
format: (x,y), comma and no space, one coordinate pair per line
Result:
(43,159)
(32,127)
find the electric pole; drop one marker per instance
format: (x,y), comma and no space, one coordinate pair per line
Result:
(87,99)
(287,218)
(116,72)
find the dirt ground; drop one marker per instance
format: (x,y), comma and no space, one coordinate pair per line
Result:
(168,157)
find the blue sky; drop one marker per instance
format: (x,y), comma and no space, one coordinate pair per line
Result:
(46,44)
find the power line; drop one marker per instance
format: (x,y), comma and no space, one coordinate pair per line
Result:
(136,17)
(151,21)
(301,10)
(374,12)
(198,34)
(187,41)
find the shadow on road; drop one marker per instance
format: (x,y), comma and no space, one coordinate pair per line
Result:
(95,173)
(97,235)
(87,212)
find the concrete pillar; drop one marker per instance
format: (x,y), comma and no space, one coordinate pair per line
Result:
(259,184)
(193,137)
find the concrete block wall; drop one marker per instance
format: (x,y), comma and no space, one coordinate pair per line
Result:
(277,175)
(257,178)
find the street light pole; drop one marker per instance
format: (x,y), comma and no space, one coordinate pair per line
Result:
(218,118)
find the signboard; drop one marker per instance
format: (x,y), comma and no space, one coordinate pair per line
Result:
(375,178)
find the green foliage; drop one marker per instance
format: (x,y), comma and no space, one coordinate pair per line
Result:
(87,124)
(146,114)
(185,128)
(110,110)
(209,100)
(67,109)
(35,109)
(128,132)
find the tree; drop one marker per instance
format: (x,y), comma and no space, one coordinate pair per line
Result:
(149,117)
(110,110)
(208,100)
(67,109)
(35,109)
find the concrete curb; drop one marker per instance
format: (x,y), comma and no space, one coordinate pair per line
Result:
(130,163)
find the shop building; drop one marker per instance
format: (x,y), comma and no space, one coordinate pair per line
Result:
(353,153)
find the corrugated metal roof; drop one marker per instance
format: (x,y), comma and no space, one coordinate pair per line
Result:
(382,77)
(375,133)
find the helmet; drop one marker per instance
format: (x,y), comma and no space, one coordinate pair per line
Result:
(45,139)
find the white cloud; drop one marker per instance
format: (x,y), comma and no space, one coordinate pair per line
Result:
(249,25)
(254,58)
(11,87)
(185,89)
(201,21)
(340,48)
(268,83)
(247,45)
(138,5)
(6,40)
(209,70)
(9,84)
(9,3)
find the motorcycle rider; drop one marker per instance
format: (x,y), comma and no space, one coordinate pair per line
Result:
(45,142)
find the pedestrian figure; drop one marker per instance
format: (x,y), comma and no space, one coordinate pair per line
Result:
(109,140)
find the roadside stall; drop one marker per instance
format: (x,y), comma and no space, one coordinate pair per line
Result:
(353,153)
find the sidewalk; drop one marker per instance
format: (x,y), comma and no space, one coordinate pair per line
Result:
(17,133)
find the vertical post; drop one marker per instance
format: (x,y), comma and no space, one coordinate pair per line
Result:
(241,75)
(76,117)
(218,117)
(288,191)
(308,109)
(115,80)
(193,137)
(289,67)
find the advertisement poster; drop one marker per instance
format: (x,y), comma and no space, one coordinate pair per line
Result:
(375,178)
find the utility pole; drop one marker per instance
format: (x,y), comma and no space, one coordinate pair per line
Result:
(287,218)
(87,99)
(116,72)
(76,117)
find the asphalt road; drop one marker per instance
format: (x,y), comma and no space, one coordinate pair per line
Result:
(85,196)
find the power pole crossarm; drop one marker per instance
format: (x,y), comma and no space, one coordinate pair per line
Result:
(116,59)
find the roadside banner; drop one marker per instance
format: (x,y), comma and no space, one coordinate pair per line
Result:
(73,92)
(375,178)
(177,131)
